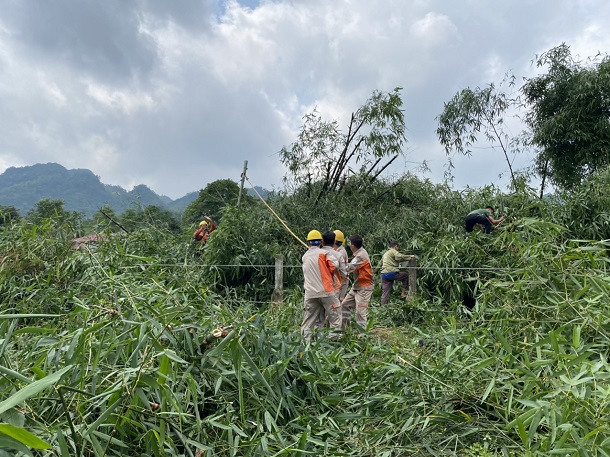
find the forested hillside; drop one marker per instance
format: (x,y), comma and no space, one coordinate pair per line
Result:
(79,189)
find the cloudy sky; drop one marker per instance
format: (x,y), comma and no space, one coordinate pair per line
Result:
(177,94)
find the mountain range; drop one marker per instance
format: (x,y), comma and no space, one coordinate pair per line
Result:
(79,189)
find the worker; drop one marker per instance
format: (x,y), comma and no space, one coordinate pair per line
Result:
(390,272)
(328,243)
(342,254)
(359,296)
(320,302)
(206,227)
(483,217)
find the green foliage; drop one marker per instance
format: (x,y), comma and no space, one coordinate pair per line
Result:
(242,253)
(556,344)
(475,112)
(36,257)
(568,116)
(565,109)
(211,201)
(152,216)
(136,347)
(323,154)
(415,212)
(106,220)
(141,346)
(8,214)
(51,209)
(584,210)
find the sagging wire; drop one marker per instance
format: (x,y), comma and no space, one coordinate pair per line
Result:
(210,265)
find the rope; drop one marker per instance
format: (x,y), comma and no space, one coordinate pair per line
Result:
(275,214)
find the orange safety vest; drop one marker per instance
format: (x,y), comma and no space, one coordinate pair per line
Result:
(203,233)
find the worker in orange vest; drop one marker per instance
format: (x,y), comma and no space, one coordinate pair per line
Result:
(202,233)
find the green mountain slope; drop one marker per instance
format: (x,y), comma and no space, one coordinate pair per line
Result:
(79,189)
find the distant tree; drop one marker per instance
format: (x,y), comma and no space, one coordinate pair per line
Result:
(8,214)
(569,116)
(131,219)
(161,218)
(323,154)
(264,193)
(48,208)
(105,219)
(149,216)
(475,113)
(211,200)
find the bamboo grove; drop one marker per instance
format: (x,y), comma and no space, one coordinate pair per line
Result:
(142,345)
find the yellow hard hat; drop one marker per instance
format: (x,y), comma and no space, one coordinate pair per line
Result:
(202,223)
(314,235)
(339,236)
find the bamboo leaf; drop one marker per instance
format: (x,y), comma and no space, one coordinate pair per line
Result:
(27,316)
(6,442)
(164,367)
(14,374)
(23,436)
(33,389)
(488,390)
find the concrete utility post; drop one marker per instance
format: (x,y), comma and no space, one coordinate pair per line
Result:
(411,266)
(243,178)
(278,291)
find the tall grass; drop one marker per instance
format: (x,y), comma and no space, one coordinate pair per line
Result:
(129,348)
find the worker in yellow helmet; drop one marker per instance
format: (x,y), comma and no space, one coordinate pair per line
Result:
(343,261)
(206,227)
(321,302)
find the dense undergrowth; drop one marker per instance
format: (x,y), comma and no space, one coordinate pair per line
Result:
(142,345)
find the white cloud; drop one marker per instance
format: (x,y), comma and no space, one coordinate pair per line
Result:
(10,160)
(434,30)
(53,93)
(100,155)
(126,101)
(592,40)
(176,95)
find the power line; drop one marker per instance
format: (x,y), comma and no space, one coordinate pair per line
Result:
(213,265)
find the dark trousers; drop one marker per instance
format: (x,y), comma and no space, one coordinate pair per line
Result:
(388,284)
(473,219)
